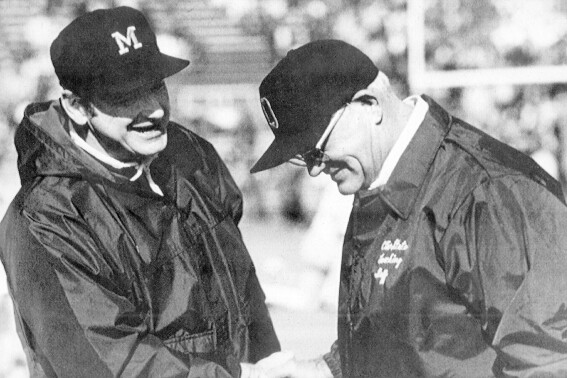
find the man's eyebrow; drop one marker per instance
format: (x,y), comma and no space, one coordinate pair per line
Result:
(365,99)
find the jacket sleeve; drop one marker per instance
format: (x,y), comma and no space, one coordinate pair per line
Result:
(226,189)
(74,317)
(230,194)
(506,254)
(263,339)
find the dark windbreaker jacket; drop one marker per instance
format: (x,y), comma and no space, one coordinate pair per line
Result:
(110,279)
(458,266)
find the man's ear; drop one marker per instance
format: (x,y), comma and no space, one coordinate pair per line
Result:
(367,97)
(74,107)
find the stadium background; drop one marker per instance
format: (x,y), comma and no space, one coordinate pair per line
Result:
(499,64)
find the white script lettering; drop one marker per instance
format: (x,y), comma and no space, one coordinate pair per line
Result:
(381,274)
(397,245)
(392,259)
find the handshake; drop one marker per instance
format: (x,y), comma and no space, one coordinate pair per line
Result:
(285,365)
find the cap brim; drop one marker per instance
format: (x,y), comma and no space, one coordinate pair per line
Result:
(170,65)
(154,69)
(284,148)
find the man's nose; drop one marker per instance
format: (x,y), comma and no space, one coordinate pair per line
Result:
(315,170)
(157,114)
(150,107)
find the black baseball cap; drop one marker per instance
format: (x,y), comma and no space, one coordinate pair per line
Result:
(110,53)
(303,91)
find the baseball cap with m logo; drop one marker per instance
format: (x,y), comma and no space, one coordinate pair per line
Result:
(109,53)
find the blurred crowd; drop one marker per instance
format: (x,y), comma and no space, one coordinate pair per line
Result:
(480,34)
(459,34)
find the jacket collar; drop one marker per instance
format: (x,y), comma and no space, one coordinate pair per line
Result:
(404,185)
(45,147)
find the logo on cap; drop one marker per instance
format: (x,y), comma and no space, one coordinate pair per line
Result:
(269,113)
(122,41)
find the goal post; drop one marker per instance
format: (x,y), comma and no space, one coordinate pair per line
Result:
(421,78)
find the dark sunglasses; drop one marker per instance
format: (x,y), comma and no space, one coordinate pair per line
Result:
(316,156)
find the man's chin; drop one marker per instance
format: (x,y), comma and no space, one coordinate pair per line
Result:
(346,189)
(349,183)
(152,146)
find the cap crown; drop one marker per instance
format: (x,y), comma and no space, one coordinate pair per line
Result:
(110,51)
(303,91)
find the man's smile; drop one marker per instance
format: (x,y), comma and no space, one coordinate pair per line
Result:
(147,126)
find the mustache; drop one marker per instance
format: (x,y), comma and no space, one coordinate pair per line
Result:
(333,164)
(332,167)
(140,118)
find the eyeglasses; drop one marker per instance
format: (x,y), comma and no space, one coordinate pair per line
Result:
(316,156)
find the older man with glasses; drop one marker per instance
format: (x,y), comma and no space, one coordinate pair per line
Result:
(454,258)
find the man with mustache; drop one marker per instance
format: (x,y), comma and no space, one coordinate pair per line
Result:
(454,258)
(122,249)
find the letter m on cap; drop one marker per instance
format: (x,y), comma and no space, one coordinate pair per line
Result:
(129,40)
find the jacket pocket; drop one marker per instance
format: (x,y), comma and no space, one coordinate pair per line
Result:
(210,341)
(187,343)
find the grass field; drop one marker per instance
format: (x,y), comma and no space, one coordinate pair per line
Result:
(274,249)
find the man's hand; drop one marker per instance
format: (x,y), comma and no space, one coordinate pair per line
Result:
(262,367)
(294,368)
